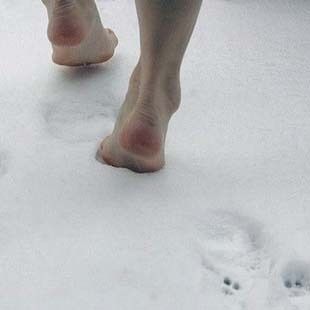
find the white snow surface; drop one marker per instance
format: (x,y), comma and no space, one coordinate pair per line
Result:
(226,224)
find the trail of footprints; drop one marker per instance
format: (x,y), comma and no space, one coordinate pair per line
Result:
(234,252)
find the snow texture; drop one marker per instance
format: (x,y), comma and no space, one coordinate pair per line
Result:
(224,226)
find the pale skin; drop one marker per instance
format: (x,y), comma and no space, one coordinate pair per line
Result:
(154,93)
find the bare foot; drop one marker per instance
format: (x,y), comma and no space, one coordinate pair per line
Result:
(76,33)
(138,139)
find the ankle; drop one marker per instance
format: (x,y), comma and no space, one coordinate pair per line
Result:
(162,91)
(67,27)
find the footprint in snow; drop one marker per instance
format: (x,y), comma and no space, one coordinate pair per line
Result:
(78,120)
(82,104)
(232,251)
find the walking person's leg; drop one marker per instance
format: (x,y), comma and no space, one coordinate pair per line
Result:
(76,33)
(138,139)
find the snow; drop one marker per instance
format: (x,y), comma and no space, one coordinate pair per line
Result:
(224,226)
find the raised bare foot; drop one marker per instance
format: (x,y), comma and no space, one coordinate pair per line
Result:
(138,139)
(76,33)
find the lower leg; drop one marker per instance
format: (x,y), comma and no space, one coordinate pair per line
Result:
(76,32)
(138,139)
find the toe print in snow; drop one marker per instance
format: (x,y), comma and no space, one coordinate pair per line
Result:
(296,278)
(230,287)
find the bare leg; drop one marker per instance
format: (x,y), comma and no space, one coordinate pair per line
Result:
(138,139)
(76,33)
